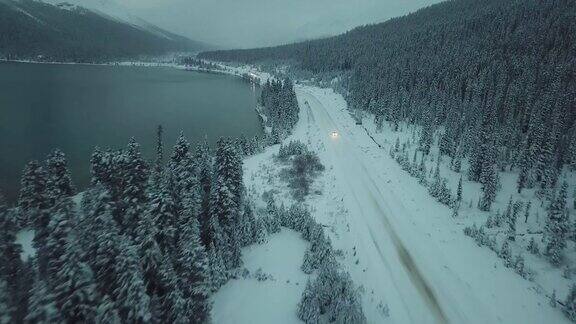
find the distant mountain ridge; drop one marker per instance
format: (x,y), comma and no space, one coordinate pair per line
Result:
(64,31)
(113,10)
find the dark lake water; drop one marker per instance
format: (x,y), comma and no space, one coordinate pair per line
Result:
(78,107)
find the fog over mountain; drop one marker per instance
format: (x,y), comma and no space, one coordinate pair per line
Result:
(252,23)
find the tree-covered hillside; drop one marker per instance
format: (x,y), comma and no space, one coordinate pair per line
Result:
(36,30)
(496,77)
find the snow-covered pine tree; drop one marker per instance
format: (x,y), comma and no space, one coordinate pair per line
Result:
(297,218)
(523,176)
(450,138)
(556,228)
(457,161)
(510,217)
(240,145)
(178,310)
(434,188)
(70,279)
(159,276)
(33,194)
(163,210)
(339,301)
(427,136)
(571,154)
(217,235)
(59,182)
(193,269)
(320,251)
(545,166)
(159,163)
(150,255)
(490,182)
(134,177)
(225,210)
(228,168)
(157,168)
(247,226)
(42,306)
(505,254)
(107,313)
(537,138)
(97,166)
(261,234)
(12,270)
(483,155)
(114,260)
(234,253)
(5,317)
(182,173)
(175,307)
(132,302)
(444,194)
(309,305)
(346,308)
(105,170)
(204,172)
(218,275)
(272,223)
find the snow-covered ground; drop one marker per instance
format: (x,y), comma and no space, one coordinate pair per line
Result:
(399,244)
(248,301)
(25,238)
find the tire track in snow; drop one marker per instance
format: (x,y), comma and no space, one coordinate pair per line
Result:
(385,262)
(415,276)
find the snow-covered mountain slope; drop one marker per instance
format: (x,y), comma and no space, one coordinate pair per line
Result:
(113,10)
(69,32)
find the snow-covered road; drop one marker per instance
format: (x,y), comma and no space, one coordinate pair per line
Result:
(414,255)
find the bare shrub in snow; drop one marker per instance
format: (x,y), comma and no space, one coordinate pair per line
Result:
(260,275)
(305,167)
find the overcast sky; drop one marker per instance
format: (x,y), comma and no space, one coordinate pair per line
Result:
(252,23)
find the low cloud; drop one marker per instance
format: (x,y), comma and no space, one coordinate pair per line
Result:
(253,23)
